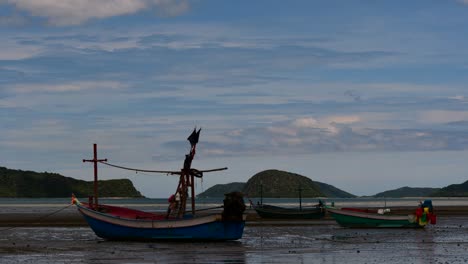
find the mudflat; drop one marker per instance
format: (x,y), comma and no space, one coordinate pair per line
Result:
(263,242)
(59,234)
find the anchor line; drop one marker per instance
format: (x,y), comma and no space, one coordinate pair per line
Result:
(39,219)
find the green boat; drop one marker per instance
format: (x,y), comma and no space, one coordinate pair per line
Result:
(366,218)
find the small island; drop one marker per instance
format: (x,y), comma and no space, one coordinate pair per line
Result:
(282,184)
(278,184)
(272,183)
(30,184)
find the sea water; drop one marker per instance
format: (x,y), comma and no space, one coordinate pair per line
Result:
(25,205)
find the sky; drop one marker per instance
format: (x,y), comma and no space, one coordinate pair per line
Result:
(364,95)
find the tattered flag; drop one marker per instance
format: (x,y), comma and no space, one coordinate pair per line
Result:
(193,138)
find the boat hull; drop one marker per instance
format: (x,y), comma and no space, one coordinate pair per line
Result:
(275,212)
(210,227)
(368,220)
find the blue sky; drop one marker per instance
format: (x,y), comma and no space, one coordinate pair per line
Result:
(365,95)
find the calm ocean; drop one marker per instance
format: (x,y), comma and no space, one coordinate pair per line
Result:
(160,204)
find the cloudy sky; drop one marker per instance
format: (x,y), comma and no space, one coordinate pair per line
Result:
(365,95)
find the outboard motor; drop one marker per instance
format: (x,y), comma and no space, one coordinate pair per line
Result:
(234,206)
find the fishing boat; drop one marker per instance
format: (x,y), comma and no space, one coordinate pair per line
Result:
(121,223)
(369,218)
(277,212)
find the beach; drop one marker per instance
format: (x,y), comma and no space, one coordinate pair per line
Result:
(56,233)
(263,242)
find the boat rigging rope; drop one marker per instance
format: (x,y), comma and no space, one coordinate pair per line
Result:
(157,171)
(140,170)
(39,218)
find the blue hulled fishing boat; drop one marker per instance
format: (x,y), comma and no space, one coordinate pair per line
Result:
(121,223)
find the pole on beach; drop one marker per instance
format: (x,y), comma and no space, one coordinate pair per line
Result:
(95,160)
(300,198)
(261,193)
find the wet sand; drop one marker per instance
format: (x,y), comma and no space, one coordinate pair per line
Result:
(263,242)
(31,234)
(34,235)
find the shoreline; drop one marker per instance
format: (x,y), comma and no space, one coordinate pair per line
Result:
(72,218)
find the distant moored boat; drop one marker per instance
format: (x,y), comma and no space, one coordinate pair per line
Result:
(276,212)
(270,211)
(366,218)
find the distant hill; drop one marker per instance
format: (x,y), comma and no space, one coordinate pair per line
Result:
(220,189)
(276,183)
(332,191)
(30,184)
(454,190)
(407,192)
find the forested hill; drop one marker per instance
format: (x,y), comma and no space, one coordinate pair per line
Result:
(219,190)
(278,184)
(30,184)
(453,190)
(408,192)
(282,184)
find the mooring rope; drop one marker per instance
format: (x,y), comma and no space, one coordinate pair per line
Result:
(38,219)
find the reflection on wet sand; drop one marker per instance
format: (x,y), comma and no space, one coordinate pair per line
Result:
(447,242)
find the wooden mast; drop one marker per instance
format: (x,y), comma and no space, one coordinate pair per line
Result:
(192,181)
(95,160)
(187,177)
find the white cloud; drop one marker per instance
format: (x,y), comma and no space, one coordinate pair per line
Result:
(282,131)
(74,12)
(48,96)
(463,2)
(442,116)
(336,133)
(327,123)
(13,20)
(343,119)
(67,87)
(12,51)
(458,97)
(306,122)
(172,7)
